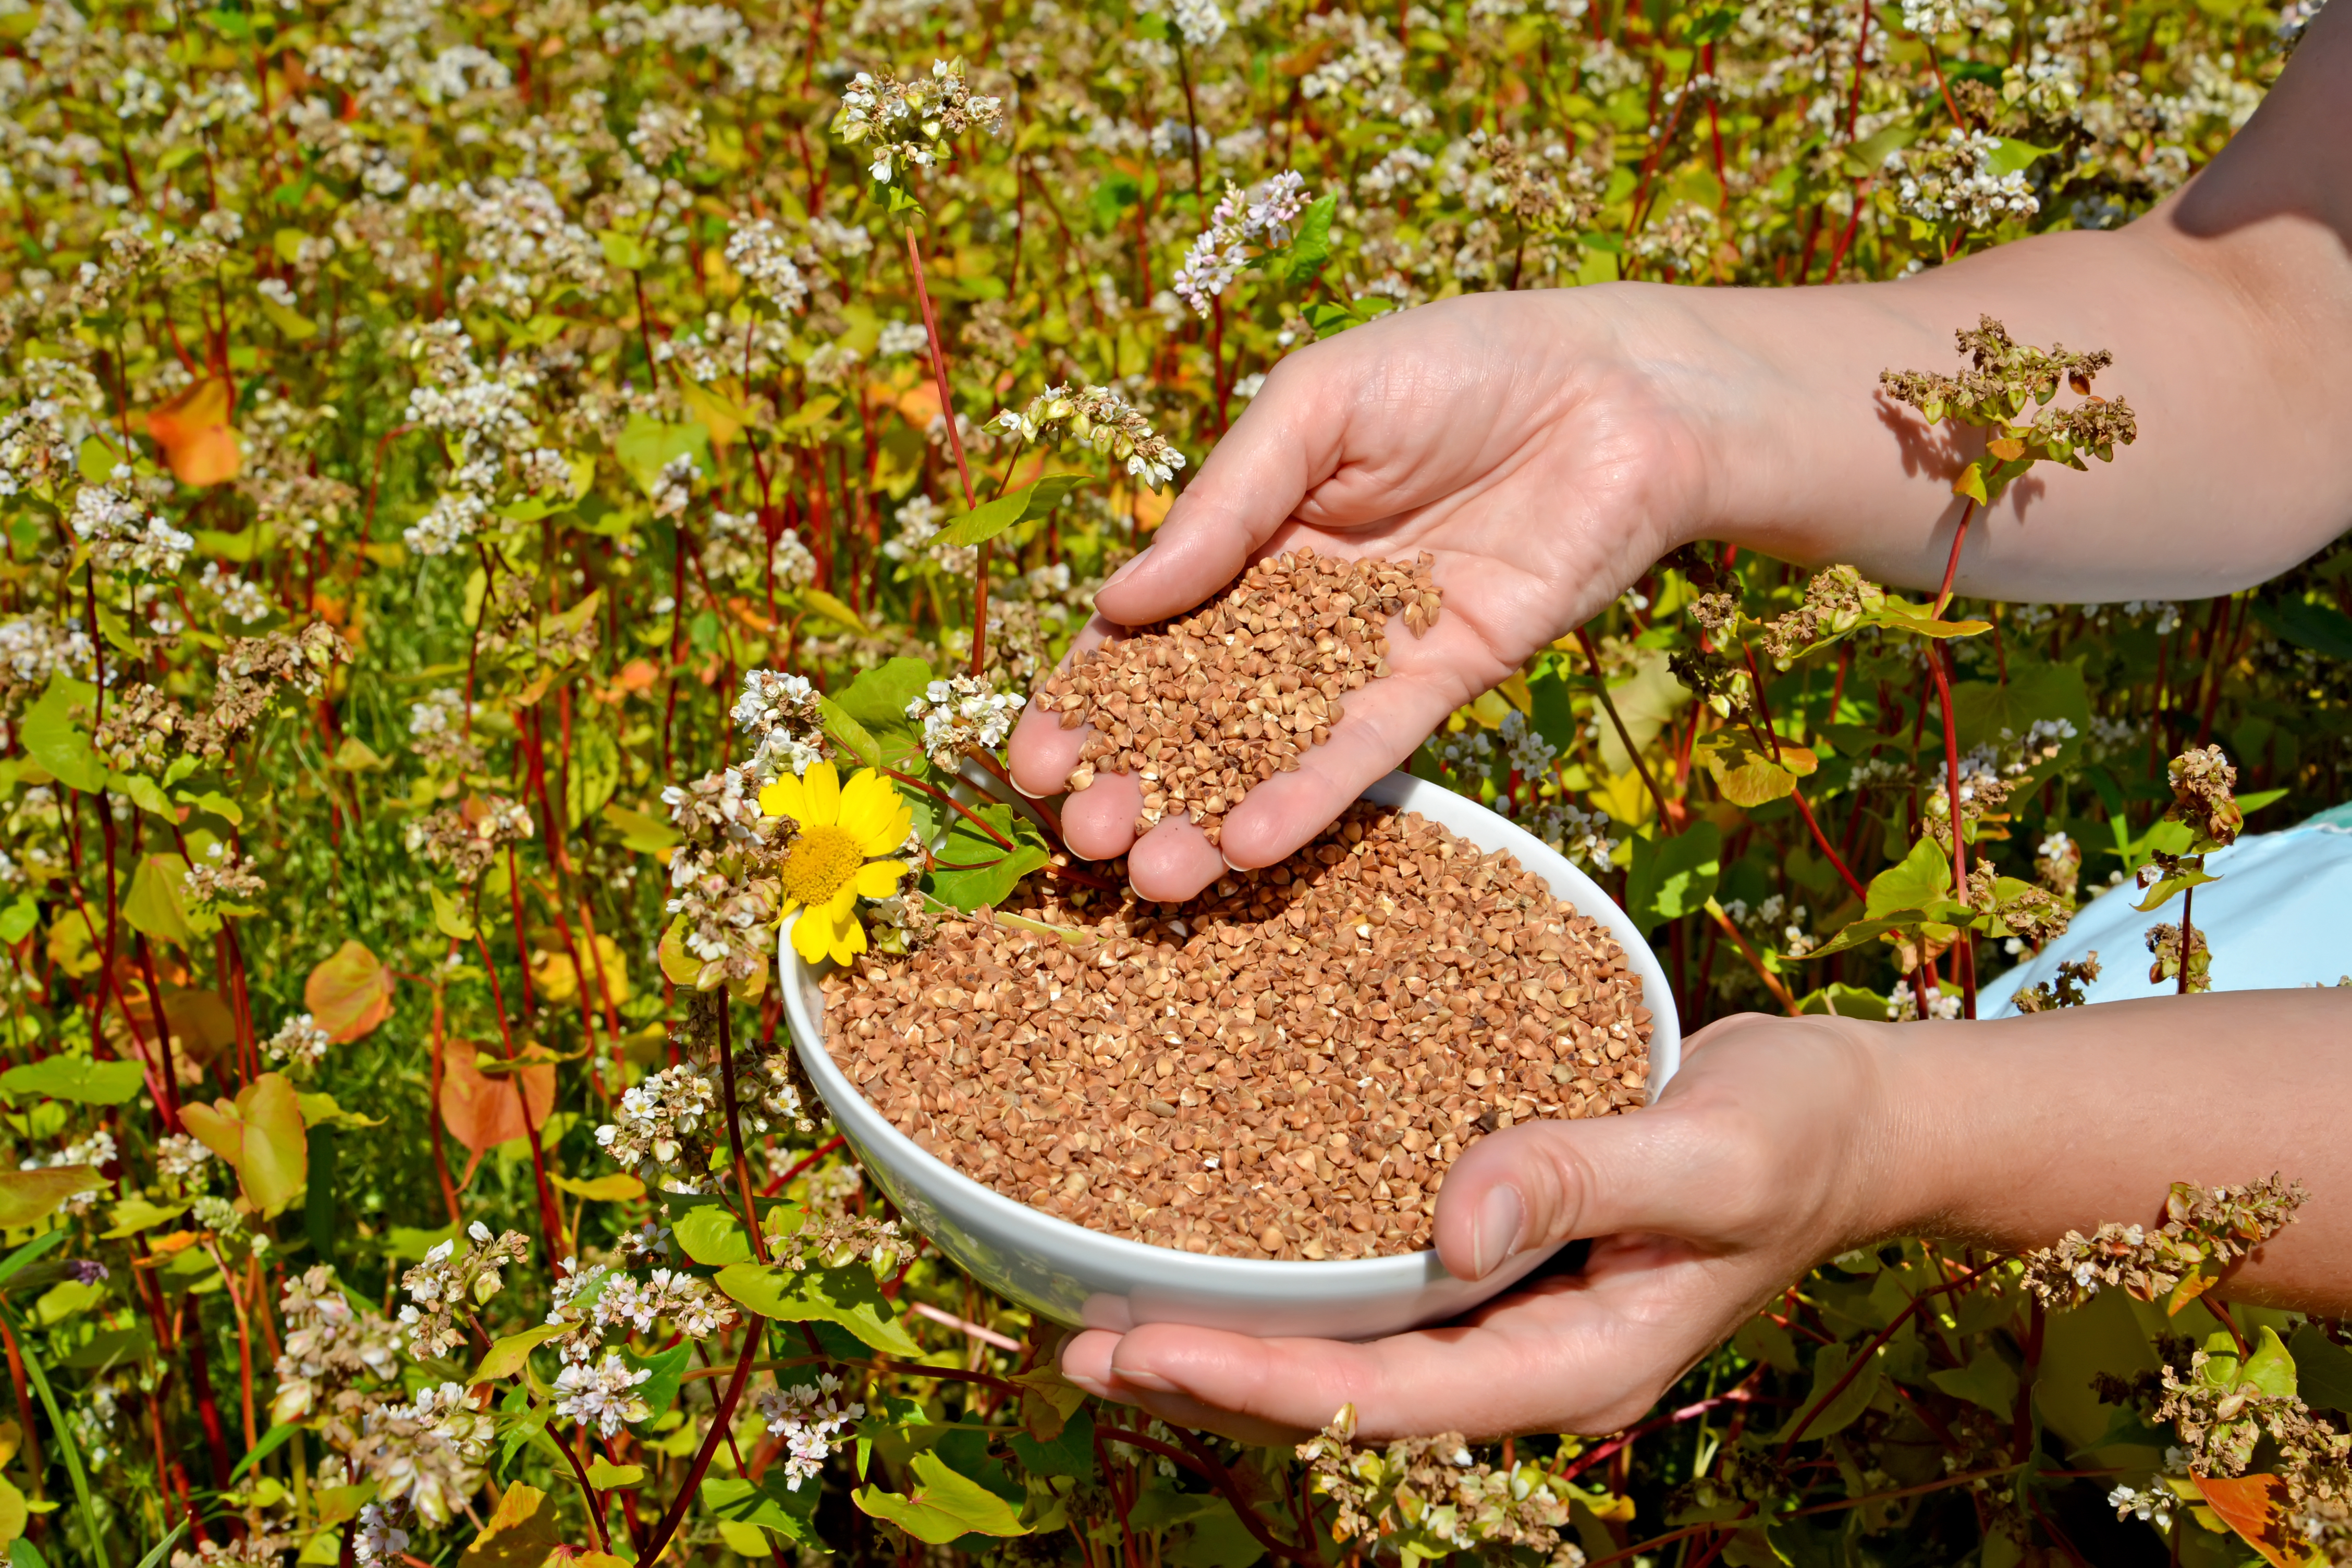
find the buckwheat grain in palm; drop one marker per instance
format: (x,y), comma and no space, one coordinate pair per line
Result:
(1203,710)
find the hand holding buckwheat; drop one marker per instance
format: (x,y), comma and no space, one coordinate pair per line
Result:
(1542,448)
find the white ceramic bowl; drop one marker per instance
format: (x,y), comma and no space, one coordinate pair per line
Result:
(1084,1277)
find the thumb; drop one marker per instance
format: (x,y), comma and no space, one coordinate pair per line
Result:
(1534,1186)
(1286,441)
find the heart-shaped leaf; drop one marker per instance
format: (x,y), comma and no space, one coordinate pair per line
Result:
(349,994)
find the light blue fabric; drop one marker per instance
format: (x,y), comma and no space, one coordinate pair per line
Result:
(2278,918)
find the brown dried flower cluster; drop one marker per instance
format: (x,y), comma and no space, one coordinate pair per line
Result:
(467,837)
(2203,786)
(1285,1069)
(1433,1493)
(1204,709)
(250,674)
(2205,1230)
(2066,991)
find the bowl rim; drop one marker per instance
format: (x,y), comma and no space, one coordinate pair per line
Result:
(1139,1259)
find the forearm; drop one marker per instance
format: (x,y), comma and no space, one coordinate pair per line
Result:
(2008,1134)
(2229,314)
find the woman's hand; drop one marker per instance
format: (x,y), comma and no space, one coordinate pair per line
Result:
(1544,448)
(1775,1147)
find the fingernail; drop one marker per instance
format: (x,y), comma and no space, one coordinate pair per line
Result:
(1494,1233)
(1124,573)
(1095,1386)
(1150,1382)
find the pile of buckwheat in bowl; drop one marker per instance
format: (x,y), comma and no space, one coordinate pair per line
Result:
(1284,1067)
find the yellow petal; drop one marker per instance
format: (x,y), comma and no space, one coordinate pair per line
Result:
(784,798)
(879,879)
(849,941)
(842,905)
(821,790)
(809,935)
(865,803)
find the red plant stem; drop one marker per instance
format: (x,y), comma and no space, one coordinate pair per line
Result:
(734,1127)
(1952,567)
(597,1505)
(33,1464)
(1863,1357)
(721,1419)
(550,1217)
(1844,871)
(1670,818)
(1773,982)
(433,1112)
(801,1164)
(1584,1462)
(2188,936)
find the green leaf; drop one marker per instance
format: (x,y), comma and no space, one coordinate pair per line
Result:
(941,1505)
(831,608)
(594,773)
(1868,156)
(1983,710)
(2009,155)
(1310,249)
(261,1136)
(712,1235)
(646,447)
(1987,1380)
(511,1354)
(2270,1368)
(990,882)
(646,835)
(30,1195)
(157,902)
(17,921)
(768,1504)
(134,1215)
(144,792)
(1674,876)
(604,1475)
(986,521)
(1845,1002)
(618,1188)
(2186,876)
(878,699)
(2323,1369)
(1920,880)
(1847,1408)
(1070,1453)
(625,251)
(75,1078)
(451,917)
(853,735)
(269,1443)
(668,1368)
(320,1111)
(2322,628)
(845,1296)
(52,739)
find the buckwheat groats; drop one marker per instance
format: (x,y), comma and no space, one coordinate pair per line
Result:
(1284,1067)
(1201,710)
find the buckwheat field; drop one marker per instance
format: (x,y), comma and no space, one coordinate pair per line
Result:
(504,504)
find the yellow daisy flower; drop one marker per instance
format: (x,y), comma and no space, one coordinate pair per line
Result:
(831,865)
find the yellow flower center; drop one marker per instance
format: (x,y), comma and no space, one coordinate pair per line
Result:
(822,862)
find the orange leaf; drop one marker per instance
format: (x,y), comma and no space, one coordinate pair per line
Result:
(2256,1508)
(483,1111)
(2008,448)
(197,439)
(350,993)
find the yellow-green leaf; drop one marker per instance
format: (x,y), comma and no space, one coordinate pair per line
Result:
(28,1195)
(941,1505)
